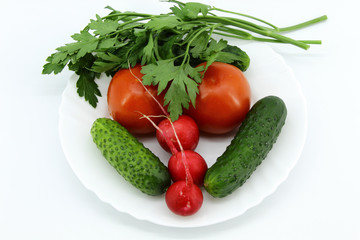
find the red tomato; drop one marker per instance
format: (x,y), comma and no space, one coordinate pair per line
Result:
(127,97)
(223,100)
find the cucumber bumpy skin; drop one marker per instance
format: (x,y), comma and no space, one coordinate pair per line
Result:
(131,159)
(250,146)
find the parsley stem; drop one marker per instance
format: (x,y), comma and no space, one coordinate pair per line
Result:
(235,36)
(156,47)
(244,15)
(251,37)
(311,41)
(242,21)
(133,21)
(186,56)
(191,33)
(304,24)
(130,14)
(267,33)
(236,32)
(124,28)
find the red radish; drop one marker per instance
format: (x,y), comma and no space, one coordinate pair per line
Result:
(179,161)
(186,130)
(184,199)
(196,164)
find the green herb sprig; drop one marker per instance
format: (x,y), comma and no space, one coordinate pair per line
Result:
(169,46)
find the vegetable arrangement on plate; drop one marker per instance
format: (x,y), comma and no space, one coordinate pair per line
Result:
(171,76)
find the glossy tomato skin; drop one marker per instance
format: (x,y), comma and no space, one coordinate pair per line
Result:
(126,98)
(223,100)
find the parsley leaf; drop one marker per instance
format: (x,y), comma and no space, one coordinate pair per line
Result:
(199,44)
(163,22)
(238,57)
(190,10)
(103,27)
(159,73)
(52,68)
(56,63)
(179,81)
(148,51)
(87,87)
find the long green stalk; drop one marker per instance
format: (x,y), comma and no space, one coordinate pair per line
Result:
(267,33)
(303,25)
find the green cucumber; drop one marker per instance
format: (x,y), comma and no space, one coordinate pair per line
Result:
(131,159)
(250,146)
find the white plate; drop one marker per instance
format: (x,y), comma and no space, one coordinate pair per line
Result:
(268,75)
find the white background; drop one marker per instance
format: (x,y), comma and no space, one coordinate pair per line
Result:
(41,198)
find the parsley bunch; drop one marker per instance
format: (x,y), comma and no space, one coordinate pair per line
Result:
(169,46)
